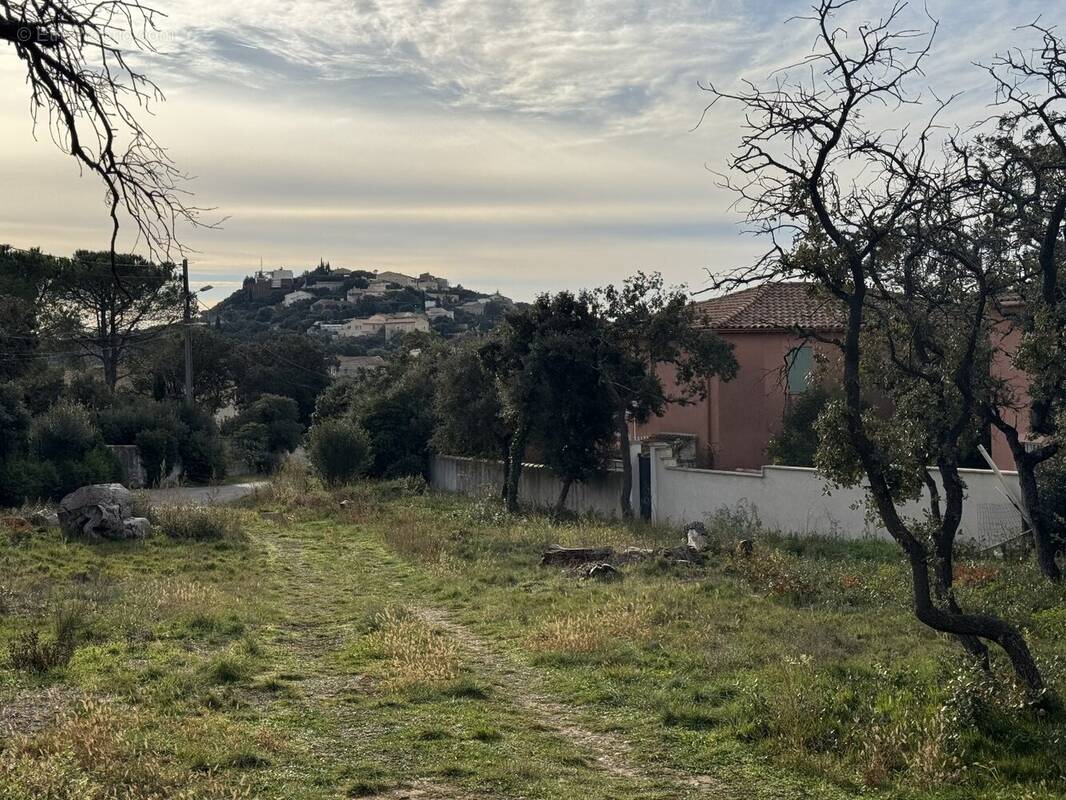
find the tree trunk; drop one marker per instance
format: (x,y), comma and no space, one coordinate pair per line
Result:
(506,471)
(969,625)
(944,566)
(514,471)
(560,502)
(627,466)
(1043,539)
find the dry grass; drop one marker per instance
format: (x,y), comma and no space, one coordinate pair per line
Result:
(589,631)
(198,523)
(415,653)
(100,752)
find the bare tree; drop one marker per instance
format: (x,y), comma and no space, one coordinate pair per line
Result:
(864,213)
(82,83)
(1026,164)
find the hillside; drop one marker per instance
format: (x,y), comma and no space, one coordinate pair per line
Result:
(354,312)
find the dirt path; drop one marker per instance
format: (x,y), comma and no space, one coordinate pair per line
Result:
(612,753)
(204,495)
(318,628)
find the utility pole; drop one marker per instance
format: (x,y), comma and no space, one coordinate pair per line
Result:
(188,329)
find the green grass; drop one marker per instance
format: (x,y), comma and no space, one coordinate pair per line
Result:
(409,640)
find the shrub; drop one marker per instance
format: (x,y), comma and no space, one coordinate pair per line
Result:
(197,523)
(122,422)
(30,652)
(203,457)
(23,479)
(159,453)
(64,433)
(340,451)
(265,431)
(797,442)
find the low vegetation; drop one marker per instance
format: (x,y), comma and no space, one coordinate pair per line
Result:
(377,639)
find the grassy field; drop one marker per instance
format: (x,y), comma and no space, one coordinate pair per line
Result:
(407,645)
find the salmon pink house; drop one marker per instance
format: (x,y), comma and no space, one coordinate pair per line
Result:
(732,427)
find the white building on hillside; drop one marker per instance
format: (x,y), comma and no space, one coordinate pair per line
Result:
(391,324)
(279,278)
(396,277)
(292,298)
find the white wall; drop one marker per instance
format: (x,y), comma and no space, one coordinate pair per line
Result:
(787,499)
(798,500)
(538,486)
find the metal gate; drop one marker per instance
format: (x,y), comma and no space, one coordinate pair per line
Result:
(644,464)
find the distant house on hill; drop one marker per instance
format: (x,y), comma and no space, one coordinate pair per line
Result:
(390,324)
(299,296)
(280,278)
(396,277)
(326,302)
(354,366)
(427,282)
(439,313)
(378,288)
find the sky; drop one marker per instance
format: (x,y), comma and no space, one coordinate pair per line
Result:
(513,146)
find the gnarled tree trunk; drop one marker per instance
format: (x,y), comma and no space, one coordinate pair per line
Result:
(514,468)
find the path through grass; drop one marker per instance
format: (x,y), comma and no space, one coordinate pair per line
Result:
(403,645)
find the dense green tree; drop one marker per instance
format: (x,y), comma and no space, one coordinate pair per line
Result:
(469,410)
(287,364)
(24,280)
(339,450)
(108,310)
(647,327)
(159,371)
(541,352)
(266,430)
(14,422)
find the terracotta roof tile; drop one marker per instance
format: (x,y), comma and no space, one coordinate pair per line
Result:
(773,306)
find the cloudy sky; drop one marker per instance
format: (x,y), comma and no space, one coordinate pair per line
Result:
(519,146)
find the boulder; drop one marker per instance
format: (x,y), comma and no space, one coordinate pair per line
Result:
(137,527)
(97,512)
(696,537)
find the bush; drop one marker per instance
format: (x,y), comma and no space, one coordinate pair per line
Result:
(797,442)
(30,652)
(159,453)
(23,479)
(265,431)
(400,425)
(340,451)
(197,523)
(203,457)
(64,433)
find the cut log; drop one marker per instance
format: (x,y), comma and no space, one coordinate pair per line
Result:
(567,556)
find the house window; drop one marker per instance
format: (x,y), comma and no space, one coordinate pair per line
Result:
(800,362)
